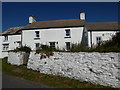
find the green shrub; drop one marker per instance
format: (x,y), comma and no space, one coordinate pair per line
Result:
(112,45)
(22,48)
(45,49)
(77,48)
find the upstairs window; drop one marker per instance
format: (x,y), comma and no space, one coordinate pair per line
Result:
(5,47)
(67,33)
(52,44)
(98,40)
(37,34)
(5,38)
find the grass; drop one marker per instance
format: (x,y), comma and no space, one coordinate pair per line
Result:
(49,80)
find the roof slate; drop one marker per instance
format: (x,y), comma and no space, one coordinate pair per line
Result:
(102,26)
(56,24)
(66,23)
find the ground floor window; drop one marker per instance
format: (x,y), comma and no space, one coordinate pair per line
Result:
(67,45)
(5,46)
(98,40)
(52,44)
(19,43)
(37,45)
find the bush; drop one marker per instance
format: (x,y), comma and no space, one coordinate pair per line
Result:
(22,48)
(45,50)
(77,47)
(112,45)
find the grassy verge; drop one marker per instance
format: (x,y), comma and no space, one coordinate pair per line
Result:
(50,80)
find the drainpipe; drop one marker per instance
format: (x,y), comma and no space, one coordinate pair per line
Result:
(91,38)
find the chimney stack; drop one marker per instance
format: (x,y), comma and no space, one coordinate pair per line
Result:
(82,15)
(31,19)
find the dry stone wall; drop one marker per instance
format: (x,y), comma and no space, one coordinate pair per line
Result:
(99,68)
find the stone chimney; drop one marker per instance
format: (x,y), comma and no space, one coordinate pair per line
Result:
(31,19)
(82,15)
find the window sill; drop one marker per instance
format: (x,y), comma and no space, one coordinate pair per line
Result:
(5,51)
(5,40)
(36,38)
(68,37)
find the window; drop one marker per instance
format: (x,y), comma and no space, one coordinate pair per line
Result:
(5,38)
(52,44)
(5,46)
(67,45)
(19,44)
(37,45)
(37,34)
(67,32)
(98,39)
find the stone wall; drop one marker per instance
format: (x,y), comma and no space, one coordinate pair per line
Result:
(99,68)
(18,58)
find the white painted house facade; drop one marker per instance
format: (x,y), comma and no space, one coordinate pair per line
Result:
(57,33)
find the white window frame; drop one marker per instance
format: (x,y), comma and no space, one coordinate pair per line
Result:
(52,44)
(68,46)
(5,47)
(98,39)
(37,34)
(6,38)
(37,45)
(67,32)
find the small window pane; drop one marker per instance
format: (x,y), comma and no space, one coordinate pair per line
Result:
(5,46)
(37,33)
(67,32)
(98,39)
(37,45)
(52,44)
(68,45)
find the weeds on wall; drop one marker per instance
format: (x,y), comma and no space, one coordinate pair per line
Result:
(112,45)
(45,51)
(22,48)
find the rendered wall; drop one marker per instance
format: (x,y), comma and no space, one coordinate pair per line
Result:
(100,68)
(105,35)
(52,35)
(12,41)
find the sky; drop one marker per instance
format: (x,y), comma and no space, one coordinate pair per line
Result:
(15,14)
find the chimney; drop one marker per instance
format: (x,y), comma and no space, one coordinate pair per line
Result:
(31,19)
(82,15)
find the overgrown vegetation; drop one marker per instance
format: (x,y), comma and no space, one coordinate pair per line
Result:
(22,48)
(49,80)
(77,48)
(45,50)
(112,45)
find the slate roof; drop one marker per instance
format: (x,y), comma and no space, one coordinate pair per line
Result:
(56,24)
(65,23)
(13,30)
(102,26)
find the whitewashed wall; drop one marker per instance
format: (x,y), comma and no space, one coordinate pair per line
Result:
(99,68)
(12,41)
(52,35)
(105,35)
(18,58)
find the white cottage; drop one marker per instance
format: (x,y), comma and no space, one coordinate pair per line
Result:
(58,33)
(10,39)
